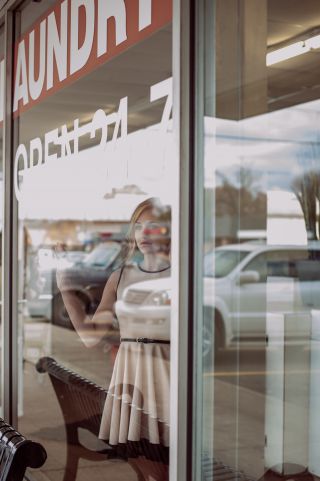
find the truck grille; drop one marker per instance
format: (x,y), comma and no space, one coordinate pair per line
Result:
(135,297)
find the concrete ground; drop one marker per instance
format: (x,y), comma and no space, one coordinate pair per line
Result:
(40,415)
(232,409)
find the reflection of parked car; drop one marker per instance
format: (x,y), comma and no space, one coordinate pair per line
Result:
(242,283)
(148,303)
(41,265)
(88,279)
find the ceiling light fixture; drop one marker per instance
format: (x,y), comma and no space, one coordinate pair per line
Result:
(293,50)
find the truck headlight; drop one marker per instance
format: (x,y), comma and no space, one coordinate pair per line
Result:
(161,298)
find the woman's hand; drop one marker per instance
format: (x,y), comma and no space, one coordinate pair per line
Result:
(80,302)
(66,279)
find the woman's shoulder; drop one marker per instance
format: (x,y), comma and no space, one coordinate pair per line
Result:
(121,271)
(114,278)
(125,267)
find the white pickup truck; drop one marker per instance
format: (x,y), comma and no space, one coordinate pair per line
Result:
(242,284)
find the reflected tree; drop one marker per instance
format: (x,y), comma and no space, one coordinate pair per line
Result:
(306,187)
(242,200)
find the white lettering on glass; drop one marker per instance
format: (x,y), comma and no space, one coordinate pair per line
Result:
(66,138)
(1,90)
(119,118)
(107,10)
(50,138)
(65,142)
(100,121)
(145,13)
(36,86)
(76,136)
(74,37)
(21,153)
(57,45)
(35,146)
(158,91)
(21,81)
(80,55)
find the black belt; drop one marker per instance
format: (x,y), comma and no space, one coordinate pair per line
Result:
(144,340)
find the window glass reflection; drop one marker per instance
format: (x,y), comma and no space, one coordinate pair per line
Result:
(261,239)
(93,166)
(221,262)
(2,106)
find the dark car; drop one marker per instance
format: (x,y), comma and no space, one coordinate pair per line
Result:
(87,280)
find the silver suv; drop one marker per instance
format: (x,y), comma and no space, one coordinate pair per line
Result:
(243,283)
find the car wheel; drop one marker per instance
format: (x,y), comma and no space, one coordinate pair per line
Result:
(213,336)
(60,316)
(207,344)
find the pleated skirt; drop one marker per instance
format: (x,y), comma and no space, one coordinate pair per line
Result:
(136,411)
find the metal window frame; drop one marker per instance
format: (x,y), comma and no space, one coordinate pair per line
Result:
(9,372)
(3,24)
(187,336)
(198,182)
(184,233)
(9,273)
(187,244)
(10,5)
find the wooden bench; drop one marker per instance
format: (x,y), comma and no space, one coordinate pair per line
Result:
(17,454)
(81,403)
(217,471)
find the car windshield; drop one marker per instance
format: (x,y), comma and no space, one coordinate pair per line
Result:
(221,262)
(102,255)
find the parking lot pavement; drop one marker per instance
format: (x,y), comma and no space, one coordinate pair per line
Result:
(41,338)
(233,404)
(41,418)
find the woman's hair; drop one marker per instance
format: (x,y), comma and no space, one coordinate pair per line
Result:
(162,213)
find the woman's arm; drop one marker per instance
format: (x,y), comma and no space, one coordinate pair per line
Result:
(91,329)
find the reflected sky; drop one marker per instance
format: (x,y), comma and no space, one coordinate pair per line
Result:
(276,146)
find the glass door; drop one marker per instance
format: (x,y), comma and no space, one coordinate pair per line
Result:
(259,323)
(2,110)
(94,182)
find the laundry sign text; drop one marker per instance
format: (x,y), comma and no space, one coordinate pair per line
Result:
(74,38)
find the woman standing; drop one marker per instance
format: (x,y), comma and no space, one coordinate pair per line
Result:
(135,418)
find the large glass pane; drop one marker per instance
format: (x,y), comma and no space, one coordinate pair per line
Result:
(261,246)
(94,185)
(1,157)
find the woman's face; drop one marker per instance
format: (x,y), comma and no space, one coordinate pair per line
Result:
(151,235)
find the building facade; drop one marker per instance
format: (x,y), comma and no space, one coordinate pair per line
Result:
(211,109)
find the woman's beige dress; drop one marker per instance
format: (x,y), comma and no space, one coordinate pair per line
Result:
(137,404)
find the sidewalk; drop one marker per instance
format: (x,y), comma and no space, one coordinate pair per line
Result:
(239,407)
(42,420)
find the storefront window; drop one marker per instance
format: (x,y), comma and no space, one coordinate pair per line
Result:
(260,325)
(1,150)
(93,162)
